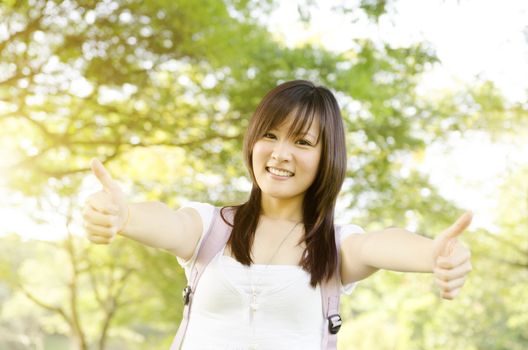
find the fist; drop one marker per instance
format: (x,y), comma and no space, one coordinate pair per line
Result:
(451,258)
(105,212)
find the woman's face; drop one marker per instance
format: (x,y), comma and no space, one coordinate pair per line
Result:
(286,167)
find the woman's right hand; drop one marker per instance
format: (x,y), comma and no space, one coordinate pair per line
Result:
(105,212)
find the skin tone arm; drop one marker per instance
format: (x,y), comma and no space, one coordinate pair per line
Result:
(108,212)
(400,250)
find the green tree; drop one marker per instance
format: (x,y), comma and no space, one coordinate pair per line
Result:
(161,92)
(86,292)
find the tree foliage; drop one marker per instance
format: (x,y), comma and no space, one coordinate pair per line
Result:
(161,91)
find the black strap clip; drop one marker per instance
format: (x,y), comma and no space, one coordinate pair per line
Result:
(334,323)
(186,294)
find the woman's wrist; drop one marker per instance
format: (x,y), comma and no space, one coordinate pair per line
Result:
(123,227)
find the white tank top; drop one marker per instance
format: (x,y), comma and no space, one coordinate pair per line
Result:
(287,312)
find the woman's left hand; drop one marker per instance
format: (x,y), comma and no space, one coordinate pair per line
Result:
(451,258)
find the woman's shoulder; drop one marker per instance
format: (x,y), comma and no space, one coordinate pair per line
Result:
(346,230)
(205,211)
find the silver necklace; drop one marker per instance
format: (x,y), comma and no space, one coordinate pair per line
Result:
(253,304)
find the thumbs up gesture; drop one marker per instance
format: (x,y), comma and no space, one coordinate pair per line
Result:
(451,258)
(105,212)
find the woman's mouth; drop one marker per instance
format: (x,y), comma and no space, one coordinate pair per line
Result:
(279,172)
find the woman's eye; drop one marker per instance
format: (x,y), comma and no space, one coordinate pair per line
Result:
(269,135)
(304,143)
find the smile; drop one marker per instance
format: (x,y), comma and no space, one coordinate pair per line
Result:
(279,172)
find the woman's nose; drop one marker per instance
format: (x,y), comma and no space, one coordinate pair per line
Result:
(281,152)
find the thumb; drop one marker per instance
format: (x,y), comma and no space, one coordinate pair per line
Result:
(103,176)
(446,239)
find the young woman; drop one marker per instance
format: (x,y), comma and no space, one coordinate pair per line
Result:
(263,288)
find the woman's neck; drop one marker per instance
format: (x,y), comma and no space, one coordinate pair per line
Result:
(282,209)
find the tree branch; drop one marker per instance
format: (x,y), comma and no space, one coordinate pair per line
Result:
(512,263)
(76,323)
(507,243)
(45,305)
(30,161)
(32,26)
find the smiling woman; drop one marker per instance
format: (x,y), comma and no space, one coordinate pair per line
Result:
(268,273)
(293,129)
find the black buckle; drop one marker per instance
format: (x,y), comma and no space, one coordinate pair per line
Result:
(186,294)
(334,323)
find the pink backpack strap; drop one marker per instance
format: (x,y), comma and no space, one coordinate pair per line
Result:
(213,241)
(330,293)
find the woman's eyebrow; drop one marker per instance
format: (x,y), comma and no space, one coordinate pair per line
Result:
(297,134)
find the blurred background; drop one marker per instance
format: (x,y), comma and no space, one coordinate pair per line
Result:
(434,97)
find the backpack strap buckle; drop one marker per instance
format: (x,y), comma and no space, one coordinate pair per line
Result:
(186,294)
(334,323)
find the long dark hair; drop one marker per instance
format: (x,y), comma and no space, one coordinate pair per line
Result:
(305,102)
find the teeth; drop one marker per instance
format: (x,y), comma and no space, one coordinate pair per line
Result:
(279,172)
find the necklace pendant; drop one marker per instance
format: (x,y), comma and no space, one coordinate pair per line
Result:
(254,307)
(254,304)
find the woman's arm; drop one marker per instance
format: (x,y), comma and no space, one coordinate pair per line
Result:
(400,250)
(108,212)
(397,249)
(156,225)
